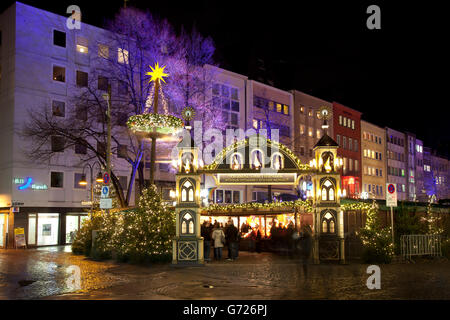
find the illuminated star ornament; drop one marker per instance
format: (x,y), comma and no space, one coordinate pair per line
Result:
(157,73)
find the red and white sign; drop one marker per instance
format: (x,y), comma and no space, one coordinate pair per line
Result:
(391,195)
(106,178)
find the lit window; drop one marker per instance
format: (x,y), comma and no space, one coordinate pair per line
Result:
(318,133)
(356,165)
(255,124)
(103,51)
(59,73)
(82,45)
(279,107)
(310,132)
(310,113)
(122,55)
(285,109)
(302,109)
(340,120)
(373,154)
(318,115)
(353,124)
(302,129)
(345,122)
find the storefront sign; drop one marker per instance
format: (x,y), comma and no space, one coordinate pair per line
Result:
(27,183)
(256,178)
(19,237)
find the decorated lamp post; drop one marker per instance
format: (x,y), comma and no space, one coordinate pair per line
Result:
(155,125)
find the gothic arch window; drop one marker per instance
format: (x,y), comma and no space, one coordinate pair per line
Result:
(277,161)
(327,161)
(256,159)
(328,223)
(327,191)
(187,223)
(187,191)
(236,162)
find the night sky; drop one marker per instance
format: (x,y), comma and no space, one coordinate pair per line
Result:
(395,76)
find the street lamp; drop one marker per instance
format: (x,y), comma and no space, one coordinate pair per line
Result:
(83,181)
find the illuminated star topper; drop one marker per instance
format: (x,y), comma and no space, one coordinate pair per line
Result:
(157,73)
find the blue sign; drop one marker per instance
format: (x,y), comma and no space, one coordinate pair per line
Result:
(106,178)
(105,191)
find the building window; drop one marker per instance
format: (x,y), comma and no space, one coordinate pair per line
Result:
(101,148)
(82,45)
(338,139)
(302,109)
(187,224)
(356,166)
(353,124)
(57,179)
(103,51)
(302,151)
(102,83)
(286,109)
(310,152)
(80,148)
(310,132)
(58,108)
(318,134)
(302,129)
(310,113)
(59,38)
(350,144)
(187,192)
(58,144)
(279,107)
(340,120)
(82,78)
(123,181)
(81,113)
(344,142)
(355,145)
(236,197)
(255,124)
(59,74)
(77,177)
(122,55)
(122,151)
(345,122)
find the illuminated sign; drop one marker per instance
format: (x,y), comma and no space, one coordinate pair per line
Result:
(256,178)
(26,183)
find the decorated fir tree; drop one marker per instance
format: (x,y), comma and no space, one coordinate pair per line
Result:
(377,241)
(145,234)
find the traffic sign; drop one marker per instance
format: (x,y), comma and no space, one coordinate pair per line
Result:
(105,192)
(106,178)
(391,195)
(106,203)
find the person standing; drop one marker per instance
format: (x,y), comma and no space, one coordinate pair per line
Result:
(232,238)
(258,240)
(206,234)
(219,239)
(305,247)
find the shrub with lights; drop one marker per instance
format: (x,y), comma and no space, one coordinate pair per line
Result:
(376,240)
(161,123)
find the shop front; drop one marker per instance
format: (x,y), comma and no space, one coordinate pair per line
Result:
(48,226)
(3,228)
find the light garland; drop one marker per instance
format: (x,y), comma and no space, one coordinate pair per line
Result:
(162,123)
(237,144)
(307,205)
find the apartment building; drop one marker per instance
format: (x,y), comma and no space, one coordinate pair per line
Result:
(347,133)
(373,160)
(436,175)
(397,161)
(44,66)
(421,194)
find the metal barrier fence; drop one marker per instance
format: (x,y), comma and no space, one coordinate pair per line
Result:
(420,245)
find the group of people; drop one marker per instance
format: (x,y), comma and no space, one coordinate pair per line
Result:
(217,236)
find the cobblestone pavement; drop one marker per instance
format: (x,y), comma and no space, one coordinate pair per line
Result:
(42,273)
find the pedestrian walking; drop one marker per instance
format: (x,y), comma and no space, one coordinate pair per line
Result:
(219,240)
(206,234)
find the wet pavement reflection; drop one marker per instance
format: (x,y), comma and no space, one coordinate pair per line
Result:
(43,274)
